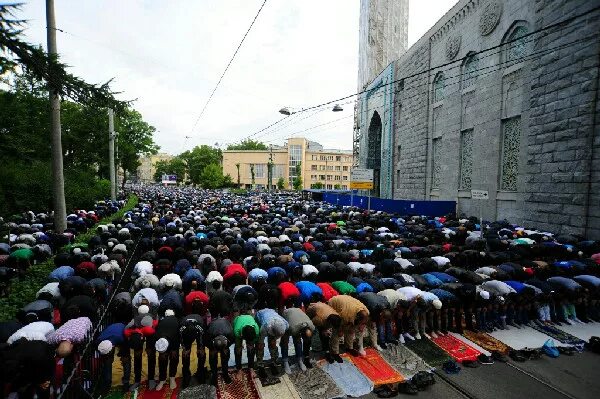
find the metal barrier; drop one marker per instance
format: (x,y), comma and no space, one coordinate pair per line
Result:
(85,367)
(401,207)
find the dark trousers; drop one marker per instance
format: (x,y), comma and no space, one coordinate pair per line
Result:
(213,356)
(170,358)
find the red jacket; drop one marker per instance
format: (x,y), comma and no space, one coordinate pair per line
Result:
(234,268)
(191,297)
(328,291)
(288,290)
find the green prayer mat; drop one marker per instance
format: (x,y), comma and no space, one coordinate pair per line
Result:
(430,352)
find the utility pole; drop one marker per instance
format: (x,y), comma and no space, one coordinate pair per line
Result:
(111,154)
(58,179)
(270,169)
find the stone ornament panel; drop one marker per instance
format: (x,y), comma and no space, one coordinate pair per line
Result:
(490,17)
(511,143)
(452,47)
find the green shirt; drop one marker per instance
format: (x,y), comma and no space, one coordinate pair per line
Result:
(242,321)
(24,253)
(343,287)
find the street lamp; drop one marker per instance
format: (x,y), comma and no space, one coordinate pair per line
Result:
(286,111)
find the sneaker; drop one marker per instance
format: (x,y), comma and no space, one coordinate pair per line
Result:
(401,339)
(307,363)
(408,337)
(286,367)
(570,322)
(226,378)
(417,336)
(485,359)
(499,356)
(301,365)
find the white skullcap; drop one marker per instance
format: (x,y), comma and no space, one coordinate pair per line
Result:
(105,347)
(484,294)
(162,345)
(437,304)
(143,309)
(169,312)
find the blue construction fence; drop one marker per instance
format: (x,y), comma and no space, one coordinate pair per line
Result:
(402,207)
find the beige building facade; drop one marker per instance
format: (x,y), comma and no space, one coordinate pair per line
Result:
(320,168)
(145,172)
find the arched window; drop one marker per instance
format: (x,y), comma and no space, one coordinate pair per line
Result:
(469,72)
(439,86)
(517,43)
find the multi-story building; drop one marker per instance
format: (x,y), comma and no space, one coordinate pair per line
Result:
(145,172)
(319,167)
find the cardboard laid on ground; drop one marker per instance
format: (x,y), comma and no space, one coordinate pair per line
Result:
(582,331)
(525,337)
(284,390)
(348,378)
(316,384)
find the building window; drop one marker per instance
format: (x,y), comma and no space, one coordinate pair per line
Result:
(345,168)
(313,177)
(344,187)
(322,158)
(295,159)
(329,187)
(436,167)
(259,170)
(313,167)
(321,167)
(511,143)
(337,177)
(321,177)
(470,67)
(329,177)
(344,177)
(439,87)
(338,158)
(466,159)
(278,171)
(338,168)
(517,45)
(397,178)
(329,167)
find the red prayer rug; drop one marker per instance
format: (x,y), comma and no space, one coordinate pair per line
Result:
(241,387)
(375,368)
(456,348)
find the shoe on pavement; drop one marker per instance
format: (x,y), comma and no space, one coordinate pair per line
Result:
(301,365)
(417,336)
(401,339)
(408,336)
(286,366)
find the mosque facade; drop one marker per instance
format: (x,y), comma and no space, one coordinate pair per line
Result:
(499,96)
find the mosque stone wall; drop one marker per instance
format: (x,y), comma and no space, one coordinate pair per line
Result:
(503,96)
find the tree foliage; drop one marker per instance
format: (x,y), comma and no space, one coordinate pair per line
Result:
(16,52)
(25,179)
(248,144)
(297,181)
(212,176)
(281,183)
(199,158)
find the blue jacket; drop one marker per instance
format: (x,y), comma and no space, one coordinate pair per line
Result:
(113,333)
(307,289)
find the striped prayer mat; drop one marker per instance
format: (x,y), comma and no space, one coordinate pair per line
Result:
(241,387)
(375,368)
(558,335)
(404,360)
(430,352)
(486,341)
(456,348)
(316,384)
(348,378)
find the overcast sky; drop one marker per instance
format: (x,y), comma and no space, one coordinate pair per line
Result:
(169,55)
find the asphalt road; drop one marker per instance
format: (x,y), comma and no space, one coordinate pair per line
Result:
(565,377)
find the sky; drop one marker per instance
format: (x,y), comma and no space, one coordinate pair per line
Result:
(168,56)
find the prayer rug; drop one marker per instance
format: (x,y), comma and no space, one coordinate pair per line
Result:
(348,378)
(582,331)
(316,384)
(284,390)
(203,391)
(166,393)
(558,335)
(525,337)
(456,348)
(241,387)
(487,342)
(375,368)
(404,360)
(429,351)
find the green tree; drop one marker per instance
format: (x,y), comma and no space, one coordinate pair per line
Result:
(175,166)
(248,145)
(317,186)
(227,181)
(237,165)
(297,181)
(198,158)
(212,176)
(134,139)
(281,183)
(337,186)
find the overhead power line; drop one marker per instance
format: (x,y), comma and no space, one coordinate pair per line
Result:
(227,67)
